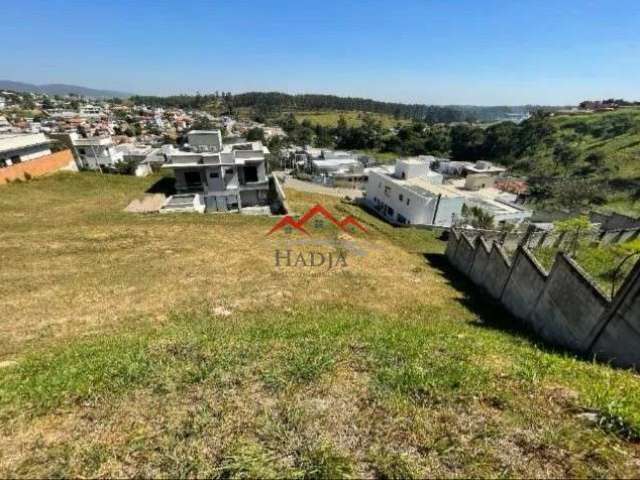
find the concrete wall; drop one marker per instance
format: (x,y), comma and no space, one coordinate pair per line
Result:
(570,305)
(497,272)
(480,259)
(617,337)
(38,167)
(524,286)
(564,307)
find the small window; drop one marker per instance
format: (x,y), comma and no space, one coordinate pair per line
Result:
(214,175)
(250,174)
(228,171)
(387,190)
(82,151)
(408,201)
(400,197)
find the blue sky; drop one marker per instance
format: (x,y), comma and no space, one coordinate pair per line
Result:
(485,52)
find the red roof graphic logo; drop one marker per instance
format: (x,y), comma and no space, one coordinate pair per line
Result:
(288,221)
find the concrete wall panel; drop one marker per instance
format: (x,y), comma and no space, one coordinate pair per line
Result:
(524,287)
(619,341)
(480,259)
(570,306)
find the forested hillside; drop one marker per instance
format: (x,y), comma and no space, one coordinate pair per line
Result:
(270,104)
(570,161)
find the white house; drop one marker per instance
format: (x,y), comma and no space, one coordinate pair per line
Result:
(16,148)
(5,126)
(225,177)
(410,195)
(90,111)
(94,153)
(481,175)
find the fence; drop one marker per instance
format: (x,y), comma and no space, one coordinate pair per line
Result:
(563,306)
(37,167)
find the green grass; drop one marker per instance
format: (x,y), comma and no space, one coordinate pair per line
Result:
(596,133)
(381,157)
(330,119)
(282,379)
(599,261)
(168,345)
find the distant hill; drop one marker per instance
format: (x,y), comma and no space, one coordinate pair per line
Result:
(272,104)
(61,89)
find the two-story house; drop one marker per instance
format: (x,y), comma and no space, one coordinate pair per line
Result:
(226,177)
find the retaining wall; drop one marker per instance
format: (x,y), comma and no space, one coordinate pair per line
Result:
(38,167)
(570,305)
(617,337)
(496,272)
(564,306)
(524,286)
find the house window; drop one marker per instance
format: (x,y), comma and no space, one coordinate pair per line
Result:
(390,211)
(408,201)
(82,151)
(192,179)
(214,175)
(228,171)
(401,219)
(400,197)
(250,174)
(15,159)
(387,190)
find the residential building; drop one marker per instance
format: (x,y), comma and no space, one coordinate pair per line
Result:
(482,175)
(410,193)
(453,168)
(90,111)
(336,168)
(227,177)
(418,167)
(134,153)
(406,195)
(93,153)
(5,126)
(17,148)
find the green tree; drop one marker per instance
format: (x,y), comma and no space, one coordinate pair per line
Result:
(466,142)
(564,155)
(202,123)
(255,134)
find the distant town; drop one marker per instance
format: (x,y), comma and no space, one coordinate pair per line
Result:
(223,163)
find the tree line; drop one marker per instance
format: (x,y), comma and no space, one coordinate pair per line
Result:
(272,104)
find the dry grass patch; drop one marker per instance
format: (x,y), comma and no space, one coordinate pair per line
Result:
(153,345)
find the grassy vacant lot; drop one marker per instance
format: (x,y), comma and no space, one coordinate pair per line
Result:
(330,119)
(171,345)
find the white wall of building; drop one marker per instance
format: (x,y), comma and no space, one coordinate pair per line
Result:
(401,204)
